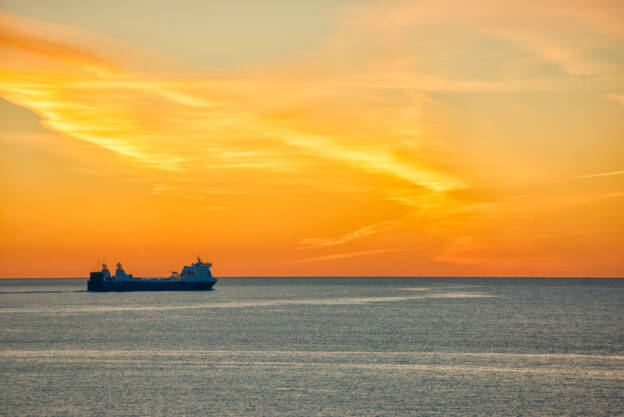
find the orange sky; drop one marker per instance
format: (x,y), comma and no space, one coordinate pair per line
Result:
(332,138)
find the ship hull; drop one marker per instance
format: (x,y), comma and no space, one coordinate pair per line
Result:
(106,285)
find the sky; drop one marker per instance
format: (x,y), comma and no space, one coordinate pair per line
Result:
(417,138)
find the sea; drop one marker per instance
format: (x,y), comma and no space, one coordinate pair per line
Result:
(305,346)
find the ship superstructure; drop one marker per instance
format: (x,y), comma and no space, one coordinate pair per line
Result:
(196,276)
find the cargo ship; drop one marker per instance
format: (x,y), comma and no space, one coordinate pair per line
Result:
(196,277)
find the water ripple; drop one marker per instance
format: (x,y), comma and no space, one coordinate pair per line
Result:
(239,304)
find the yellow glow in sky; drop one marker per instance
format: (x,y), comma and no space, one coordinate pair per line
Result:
(353,138)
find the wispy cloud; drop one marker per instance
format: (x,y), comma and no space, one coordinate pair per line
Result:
(364,231)
(162,121)
(11,38)
(344,255)
(162,189)
(374,158)
(467,250)
(601,174)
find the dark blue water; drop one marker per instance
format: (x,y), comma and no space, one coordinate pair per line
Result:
(315,347)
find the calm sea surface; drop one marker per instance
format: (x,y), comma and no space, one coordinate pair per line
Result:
(315,347)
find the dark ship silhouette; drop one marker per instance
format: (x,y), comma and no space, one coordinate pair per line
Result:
(196,277)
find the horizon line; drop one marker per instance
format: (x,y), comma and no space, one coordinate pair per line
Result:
(372,276)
